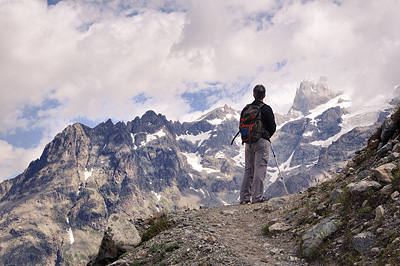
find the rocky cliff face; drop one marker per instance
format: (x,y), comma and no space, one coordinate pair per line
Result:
(311,94)
(321,132)
(55,212)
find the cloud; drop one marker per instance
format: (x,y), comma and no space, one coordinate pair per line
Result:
(12,158)
(116,59)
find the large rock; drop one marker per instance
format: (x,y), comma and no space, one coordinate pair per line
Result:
(314,237)
(362,175)
(364,241)
(120,236)
(385,149)
(363,186)
(388,129)
(384,172)
(279,227)
(379,212)
(387,190)
(275,203)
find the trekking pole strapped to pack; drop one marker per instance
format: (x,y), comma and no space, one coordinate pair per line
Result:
(277,165)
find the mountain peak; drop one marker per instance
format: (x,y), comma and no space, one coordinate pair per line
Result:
(220,113)
(310,94)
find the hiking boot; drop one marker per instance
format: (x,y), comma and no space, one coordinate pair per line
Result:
(259,201)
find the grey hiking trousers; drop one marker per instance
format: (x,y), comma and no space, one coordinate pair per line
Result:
(255,169)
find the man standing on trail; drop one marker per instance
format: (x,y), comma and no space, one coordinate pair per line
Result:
(257,153)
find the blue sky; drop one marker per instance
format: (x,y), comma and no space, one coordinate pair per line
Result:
(86,61)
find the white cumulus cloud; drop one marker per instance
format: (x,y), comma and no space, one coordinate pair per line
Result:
(116,59)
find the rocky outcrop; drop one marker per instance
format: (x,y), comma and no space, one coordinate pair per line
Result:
(363,186)
(365,197)
(310,94)
(364,241)
(5,187)
(383,173)
(120,236)
(314,237)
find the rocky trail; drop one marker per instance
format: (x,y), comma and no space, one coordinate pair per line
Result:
(229,235)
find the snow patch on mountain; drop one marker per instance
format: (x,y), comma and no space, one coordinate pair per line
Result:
(343,101)
(158,196)
(194,159)
(284,167)
(308,134)
(149,137)
(199,191)
(88,173)
(218,121)
(239,159)
(70,233)
(297,117)
(361,117)
(220,155)
(196,138)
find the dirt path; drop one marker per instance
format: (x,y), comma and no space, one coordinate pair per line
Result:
(230,235)
(240,228)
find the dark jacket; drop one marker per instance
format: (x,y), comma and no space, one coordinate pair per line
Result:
(267,116)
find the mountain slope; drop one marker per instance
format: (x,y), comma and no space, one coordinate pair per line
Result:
(314,144)
(54,210)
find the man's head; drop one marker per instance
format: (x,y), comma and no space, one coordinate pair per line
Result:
(259,92)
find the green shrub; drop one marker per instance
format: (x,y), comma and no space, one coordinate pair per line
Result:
(159,224)
(266,230)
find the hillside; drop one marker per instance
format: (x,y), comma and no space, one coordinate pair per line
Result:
(352,219)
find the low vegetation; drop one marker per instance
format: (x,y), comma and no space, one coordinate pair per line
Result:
(158,223)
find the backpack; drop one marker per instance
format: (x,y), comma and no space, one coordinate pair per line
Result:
(250,126)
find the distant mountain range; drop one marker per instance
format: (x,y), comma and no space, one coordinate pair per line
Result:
(55,211)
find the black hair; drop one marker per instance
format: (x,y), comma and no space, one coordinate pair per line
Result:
(259,92)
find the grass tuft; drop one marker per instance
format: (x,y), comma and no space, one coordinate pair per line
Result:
(161,223)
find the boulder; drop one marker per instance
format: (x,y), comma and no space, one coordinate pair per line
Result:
(379,212)
(383,173)
(388,129)
(279,227)
(393,156)
(278,202)
(387,190)
(396,147)
(386,148)
(120,236)
(363,186)
(362,175)
(336,195)
(364,241)
(321,208)
(314,237)
(395,195)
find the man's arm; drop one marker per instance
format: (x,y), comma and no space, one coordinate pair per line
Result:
(269,119)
